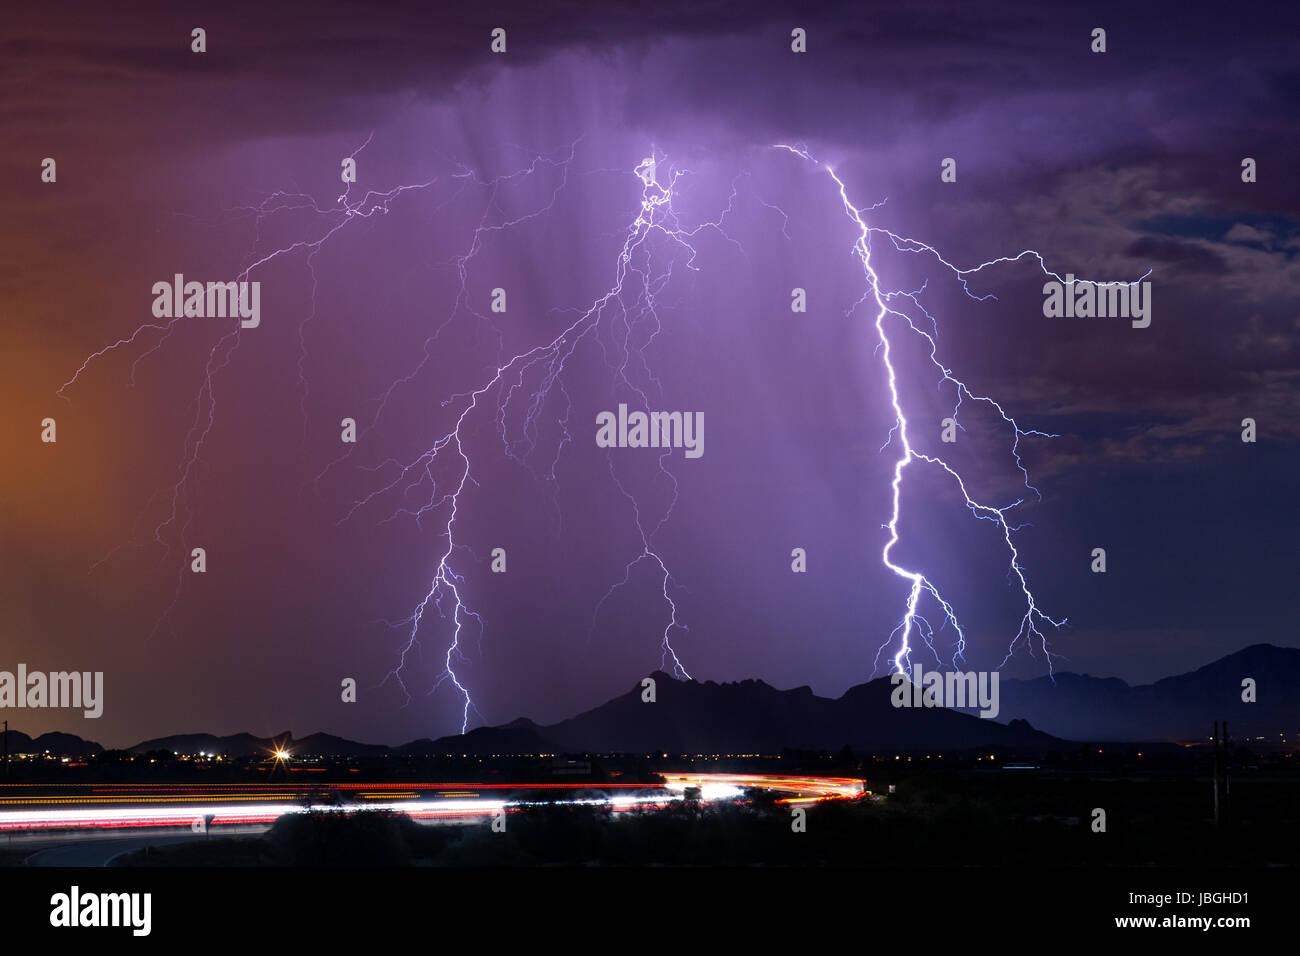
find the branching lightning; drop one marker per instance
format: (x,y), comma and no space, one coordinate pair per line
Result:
(630,300)
(629,308)
(179,514)
(1030,629)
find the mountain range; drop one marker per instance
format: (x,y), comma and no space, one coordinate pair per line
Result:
(751,716)
(1184,707)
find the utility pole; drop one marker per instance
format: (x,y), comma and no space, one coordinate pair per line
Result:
(1220,774)
(1216,773)
(1227,787)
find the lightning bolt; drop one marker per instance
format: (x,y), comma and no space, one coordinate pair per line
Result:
(179,514)
(1034,620)
(629,308)
(655,242)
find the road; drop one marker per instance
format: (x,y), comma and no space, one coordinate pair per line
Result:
(90,827)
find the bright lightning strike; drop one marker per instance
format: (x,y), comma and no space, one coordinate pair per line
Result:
(641,271)
(631,299)
(1030,629)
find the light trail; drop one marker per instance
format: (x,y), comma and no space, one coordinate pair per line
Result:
(713,787)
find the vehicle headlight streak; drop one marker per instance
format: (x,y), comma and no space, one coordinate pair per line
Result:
(241,807)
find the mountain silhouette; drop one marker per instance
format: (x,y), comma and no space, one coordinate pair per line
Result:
(54,742)
(751,716)
(246,745)
(1175,708)
(521,736)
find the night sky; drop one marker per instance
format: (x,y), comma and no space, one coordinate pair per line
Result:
(521,168)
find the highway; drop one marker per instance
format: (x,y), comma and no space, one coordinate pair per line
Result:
(88,825)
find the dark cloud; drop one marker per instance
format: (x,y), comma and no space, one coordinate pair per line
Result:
(1184,257)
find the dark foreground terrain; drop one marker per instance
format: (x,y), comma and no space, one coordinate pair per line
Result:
(1007,818)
